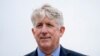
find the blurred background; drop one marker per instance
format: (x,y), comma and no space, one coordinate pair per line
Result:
(81,19)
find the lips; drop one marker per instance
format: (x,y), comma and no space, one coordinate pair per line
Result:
(45,37)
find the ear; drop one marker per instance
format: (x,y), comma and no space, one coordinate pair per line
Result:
(62,30)
(33,31)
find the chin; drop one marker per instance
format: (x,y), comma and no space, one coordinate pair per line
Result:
(45,45)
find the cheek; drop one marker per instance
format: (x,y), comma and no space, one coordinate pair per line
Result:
(55,38)
(36,33)
(55,34)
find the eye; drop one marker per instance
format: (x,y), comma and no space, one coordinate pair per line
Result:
(49,25)
(39,25)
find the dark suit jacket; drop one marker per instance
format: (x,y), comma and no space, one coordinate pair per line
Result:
(63,52)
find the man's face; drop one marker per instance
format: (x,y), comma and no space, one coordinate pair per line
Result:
(47,32)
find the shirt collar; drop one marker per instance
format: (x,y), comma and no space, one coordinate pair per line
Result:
(55,53)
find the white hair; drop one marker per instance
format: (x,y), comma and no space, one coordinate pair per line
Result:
(50,12)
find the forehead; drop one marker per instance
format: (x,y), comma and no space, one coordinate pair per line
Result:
(45,20)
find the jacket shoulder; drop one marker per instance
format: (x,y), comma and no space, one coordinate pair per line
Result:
(33,53)
(67,52)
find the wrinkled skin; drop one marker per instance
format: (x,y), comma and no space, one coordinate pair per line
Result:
(47,34)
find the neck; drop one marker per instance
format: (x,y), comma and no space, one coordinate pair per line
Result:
(49,50)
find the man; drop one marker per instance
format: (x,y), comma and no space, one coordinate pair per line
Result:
(48,29)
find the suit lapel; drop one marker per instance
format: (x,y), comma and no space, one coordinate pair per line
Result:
(63,51)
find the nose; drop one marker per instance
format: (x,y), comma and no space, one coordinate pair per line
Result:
(44,30)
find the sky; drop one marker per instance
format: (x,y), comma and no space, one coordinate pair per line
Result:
(81,19)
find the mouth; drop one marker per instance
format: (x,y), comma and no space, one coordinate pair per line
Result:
(45,37)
